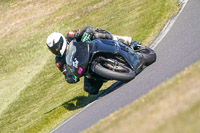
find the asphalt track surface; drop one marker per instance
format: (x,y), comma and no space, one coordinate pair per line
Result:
(177,50)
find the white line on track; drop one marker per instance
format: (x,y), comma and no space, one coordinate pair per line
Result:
(159,38)
(168,25)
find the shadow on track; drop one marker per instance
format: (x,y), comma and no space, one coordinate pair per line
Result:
(82,101)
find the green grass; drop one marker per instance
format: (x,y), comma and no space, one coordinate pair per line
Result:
(33,93)
(172,107)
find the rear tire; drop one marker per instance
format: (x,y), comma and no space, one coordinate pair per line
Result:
(125,75)
(148,54)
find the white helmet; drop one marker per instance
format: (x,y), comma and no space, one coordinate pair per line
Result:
(56,43)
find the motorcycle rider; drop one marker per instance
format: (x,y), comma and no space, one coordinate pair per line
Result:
(58,45)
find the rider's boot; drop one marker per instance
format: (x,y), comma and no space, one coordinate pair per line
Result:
(124,39)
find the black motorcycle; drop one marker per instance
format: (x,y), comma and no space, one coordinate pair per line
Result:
(108,59)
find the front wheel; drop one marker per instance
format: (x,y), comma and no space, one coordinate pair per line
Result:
(113,71)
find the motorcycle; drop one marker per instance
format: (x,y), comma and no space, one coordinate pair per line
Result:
(104,59)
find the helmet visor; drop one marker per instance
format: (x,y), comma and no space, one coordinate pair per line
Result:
(55,49)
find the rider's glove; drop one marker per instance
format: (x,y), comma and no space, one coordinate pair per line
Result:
(69,77)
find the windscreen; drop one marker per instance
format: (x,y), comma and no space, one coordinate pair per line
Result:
(70,53)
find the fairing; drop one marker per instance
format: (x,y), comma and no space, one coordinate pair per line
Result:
(115,47)
(81,53)
(77,57)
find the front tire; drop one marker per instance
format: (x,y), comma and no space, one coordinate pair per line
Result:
(109,71)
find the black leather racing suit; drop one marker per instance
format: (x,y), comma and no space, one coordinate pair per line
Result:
(91,86)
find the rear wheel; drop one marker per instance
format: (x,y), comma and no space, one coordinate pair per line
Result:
(113,70)
(148,54)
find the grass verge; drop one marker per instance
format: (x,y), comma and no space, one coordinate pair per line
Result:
(33,93)
(172,107)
